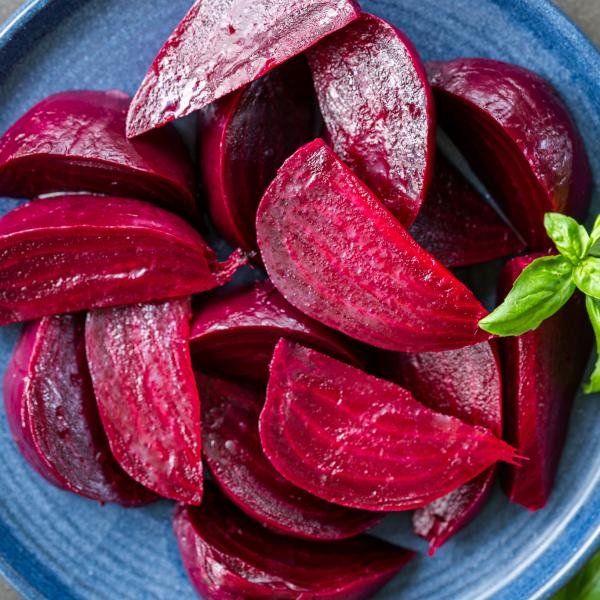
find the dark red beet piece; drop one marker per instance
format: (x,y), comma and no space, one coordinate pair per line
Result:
(457,225)
(142,373)
(229,556)
(334,252)
(519,137)
(362,442)
(52,414)
(379,110)
(235,334)
(70,253)
(75,141)
(221,45)
(542,373)
(245,137)
(236,460)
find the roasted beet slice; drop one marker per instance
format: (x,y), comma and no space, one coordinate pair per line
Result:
(245,137)
(334,252)
(227,556)
(362,442)
(457,225)
(379,111)
(542,372)
(236,460)
(70,253)
(75,141)
(52,413)
(220,46)
(235,334)
(519,137)
(142,373)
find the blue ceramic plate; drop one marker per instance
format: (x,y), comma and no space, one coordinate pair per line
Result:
(55,545)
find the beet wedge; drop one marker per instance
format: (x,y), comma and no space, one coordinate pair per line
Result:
(234,334)
(335,253)
(542,373)
(220,46)
(70,253)
(379,110)
(75,141)
(146,391)
(52,413)
(228,555)
(362,442)
(518,136)
(457,226)
(236,460)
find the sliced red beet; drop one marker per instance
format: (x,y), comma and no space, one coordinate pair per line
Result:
(220,46)
(71,253)
(334,252)
(75,141)
(142,373)
(362,442)
(542,373)
(236,460)
(229,556)
(457,225)
(245,137)
(379,110)
(235,334)
(52,414)
(519,137)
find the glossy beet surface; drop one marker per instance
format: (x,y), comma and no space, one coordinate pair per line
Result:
(457,226)
(221,45)
(234,334)
(70,253)
(245,137)
(142,373)
(334,251)
(362,442)
(75,141)
(229,556)
(542,373)
(378,108)
(52,413)
(518,135)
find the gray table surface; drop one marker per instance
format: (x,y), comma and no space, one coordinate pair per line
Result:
(585,12)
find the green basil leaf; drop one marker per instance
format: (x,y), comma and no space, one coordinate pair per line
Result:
(540,290)
(587,276)
(585,585)
(570,238)
(593,309)
(595,238)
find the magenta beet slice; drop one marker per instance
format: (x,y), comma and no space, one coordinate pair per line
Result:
(52,414)
(75,141)
(245,137)
(236,460)
(142,373)
(457,226)
(519,137)
(379,111)
(542,373)
(335,253)
(69,253)
(235,334)
(228,555)
(220,46)
(362,442)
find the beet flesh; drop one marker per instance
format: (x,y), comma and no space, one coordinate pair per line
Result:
(52,414)
(362,442)
(70,253)
(229,556)
(220,46)
(518,136)
(335,253)
(147,397)
(379,110)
